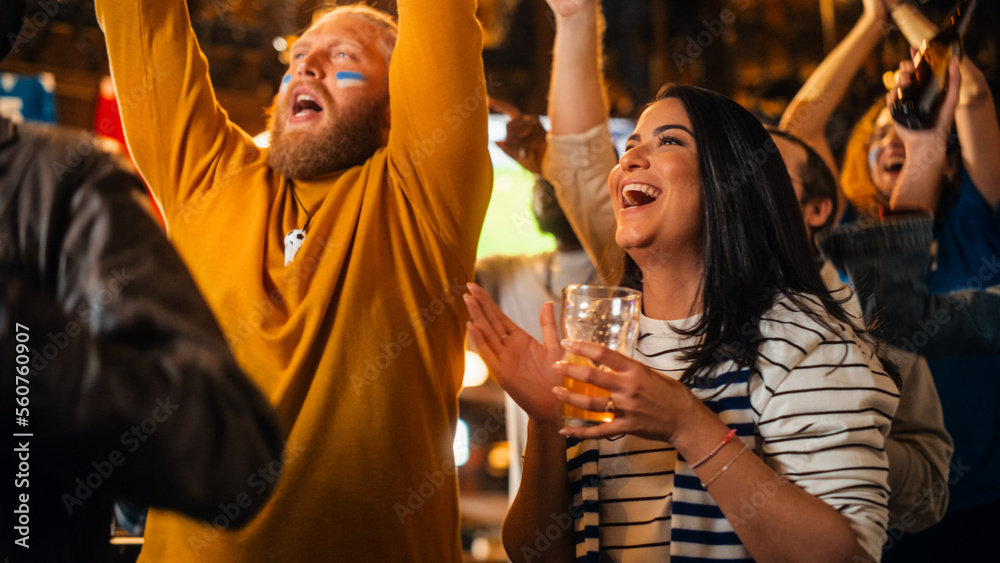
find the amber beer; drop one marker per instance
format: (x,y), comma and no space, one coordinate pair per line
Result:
(605,315)
(576,415)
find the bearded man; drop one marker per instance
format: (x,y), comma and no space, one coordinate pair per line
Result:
(333,261)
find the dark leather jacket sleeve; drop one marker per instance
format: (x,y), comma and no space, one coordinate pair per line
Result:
(888,264)
(125,354)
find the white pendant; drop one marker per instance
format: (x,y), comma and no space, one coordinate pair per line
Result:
(293,242)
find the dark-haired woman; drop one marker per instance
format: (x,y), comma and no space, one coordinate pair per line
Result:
(752,420)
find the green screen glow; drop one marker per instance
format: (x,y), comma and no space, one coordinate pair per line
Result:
(510,226)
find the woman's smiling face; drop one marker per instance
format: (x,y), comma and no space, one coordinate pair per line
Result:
(656,187)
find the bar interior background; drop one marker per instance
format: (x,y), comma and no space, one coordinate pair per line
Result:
(758,52)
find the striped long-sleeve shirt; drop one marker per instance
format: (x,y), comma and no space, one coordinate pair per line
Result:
(816,408)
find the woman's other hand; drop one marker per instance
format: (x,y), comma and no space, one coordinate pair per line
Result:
(522,365)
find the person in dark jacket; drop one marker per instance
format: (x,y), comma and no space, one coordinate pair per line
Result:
(889,262)
(121,381)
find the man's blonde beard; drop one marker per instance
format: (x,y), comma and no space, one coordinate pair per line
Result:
(349,140)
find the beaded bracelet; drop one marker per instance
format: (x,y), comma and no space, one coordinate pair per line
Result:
(716,450)
(725,467)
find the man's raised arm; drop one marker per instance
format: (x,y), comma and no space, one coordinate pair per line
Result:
(175,129)
(438,143)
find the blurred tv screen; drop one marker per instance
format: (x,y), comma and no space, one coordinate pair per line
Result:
(510,226)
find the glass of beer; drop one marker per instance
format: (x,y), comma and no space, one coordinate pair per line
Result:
(606,315)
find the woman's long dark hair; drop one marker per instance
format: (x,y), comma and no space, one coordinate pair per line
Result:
(754,240)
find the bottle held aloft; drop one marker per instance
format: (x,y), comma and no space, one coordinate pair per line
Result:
(917,105)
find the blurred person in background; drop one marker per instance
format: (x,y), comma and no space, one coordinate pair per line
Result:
(889,262)
(813,106)
(891,171)
(970,173)
(122,382)
(918,446)
(923,247)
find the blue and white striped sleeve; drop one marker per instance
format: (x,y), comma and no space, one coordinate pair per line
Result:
(824,405)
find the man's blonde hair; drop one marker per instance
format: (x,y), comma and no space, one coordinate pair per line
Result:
(379,25)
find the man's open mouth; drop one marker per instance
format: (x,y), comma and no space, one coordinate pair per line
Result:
(305,104)
(637,195)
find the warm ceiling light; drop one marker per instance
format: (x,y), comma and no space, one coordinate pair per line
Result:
(499,456)
(476,372)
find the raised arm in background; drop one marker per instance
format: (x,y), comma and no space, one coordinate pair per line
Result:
(577,100)
(975,116)
(808,113)
(580,151)
(525,141)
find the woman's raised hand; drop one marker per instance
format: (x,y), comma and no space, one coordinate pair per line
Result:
(522,365)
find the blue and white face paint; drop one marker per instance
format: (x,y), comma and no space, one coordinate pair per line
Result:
(874,152)
(348,79)
(285,81)
(886,154)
